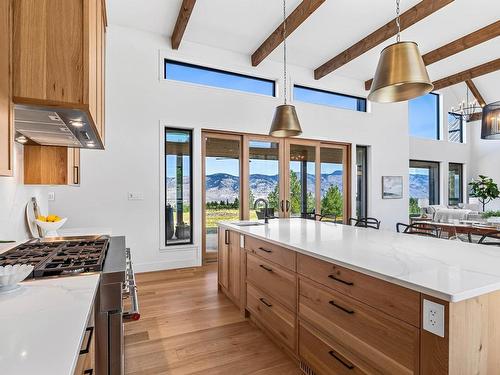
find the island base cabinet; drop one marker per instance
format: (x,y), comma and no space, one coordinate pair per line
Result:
(325,357)
(85,364)
(230,258)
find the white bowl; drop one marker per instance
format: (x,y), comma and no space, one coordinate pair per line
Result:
(50,228)
(11,275)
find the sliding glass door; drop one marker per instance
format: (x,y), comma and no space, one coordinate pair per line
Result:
(317,180)
(221,186)
(264,180)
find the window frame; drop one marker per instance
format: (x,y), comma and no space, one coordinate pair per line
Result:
(166,60)
(438,119)
(461,129)
(191,187)
(461,183)
(364,198)
(433,193)
(359,99)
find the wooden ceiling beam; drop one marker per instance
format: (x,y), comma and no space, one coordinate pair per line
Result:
(410,17)
(182,21)
(293,21)
(472,87)
(478,116)
(468,74)
(461,44)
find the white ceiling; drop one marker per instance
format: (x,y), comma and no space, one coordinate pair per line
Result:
(242,25)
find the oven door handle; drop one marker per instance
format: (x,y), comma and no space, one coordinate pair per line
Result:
(133,314)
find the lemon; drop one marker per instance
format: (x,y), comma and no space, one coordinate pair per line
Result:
(41,218)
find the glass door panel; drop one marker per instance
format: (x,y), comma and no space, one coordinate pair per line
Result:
(222,182)
(264,177)
(333,182)
(301,200)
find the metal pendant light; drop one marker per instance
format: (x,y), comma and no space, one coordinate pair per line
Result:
(490,127)
(401,73)
(285,122)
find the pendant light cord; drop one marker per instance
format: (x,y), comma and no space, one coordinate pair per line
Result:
(284,50)
(398,23)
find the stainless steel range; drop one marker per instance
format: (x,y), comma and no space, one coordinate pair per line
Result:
(64,257)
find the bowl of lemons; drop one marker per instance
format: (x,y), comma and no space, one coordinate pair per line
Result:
(50,224)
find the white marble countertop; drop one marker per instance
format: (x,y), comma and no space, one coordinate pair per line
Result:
(449,270)
(42,325)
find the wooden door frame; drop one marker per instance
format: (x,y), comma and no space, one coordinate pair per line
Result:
(219,135)
(346,176)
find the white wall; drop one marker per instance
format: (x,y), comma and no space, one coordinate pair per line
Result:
(486,160)
(443,151)
(13,198)
(137,101)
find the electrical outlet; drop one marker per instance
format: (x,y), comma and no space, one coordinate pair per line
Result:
(52,196)
(433,317)
(135,196)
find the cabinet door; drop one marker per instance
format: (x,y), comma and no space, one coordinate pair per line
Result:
(223,257)
(234,265)
(6,123)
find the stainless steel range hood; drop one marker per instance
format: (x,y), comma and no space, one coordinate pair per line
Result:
(56,127)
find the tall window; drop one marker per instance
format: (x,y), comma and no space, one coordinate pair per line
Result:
(184,72)
(361,181)
(424,184)
(178,186)
(423,116)
(455,184)
(455,128)
(332,99)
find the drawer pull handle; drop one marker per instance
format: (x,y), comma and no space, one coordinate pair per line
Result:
(265,302)
(340,280)
(265,250)
(266,268)
(332,302)
(226,237)
(90,371)
(349,365)
(86,349)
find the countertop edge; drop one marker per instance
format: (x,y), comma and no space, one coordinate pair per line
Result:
(451,298)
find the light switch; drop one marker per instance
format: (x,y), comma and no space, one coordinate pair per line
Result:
(52,196)
(135,196)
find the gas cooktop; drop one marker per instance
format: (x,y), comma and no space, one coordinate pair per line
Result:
(59,258)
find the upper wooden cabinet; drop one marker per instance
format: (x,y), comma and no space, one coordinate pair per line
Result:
(6,123)
(58,55)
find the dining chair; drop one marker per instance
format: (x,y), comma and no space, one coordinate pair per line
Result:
(419,229)
(365,222)
(491,239)
(330,218)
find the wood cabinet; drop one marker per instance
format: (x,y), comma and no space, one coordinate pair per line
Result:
(50,165)
(85,364)
(6,120)
(229,265)
(58,55)
(335,320)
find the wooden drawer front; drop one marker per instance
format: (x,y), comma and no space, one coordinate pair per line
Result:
(395,300)
(280,284)
(279,320)
(382,341)
(269,251)
(326,357)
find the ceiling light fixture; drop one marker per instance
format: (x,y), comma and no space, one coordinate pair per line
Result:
(401,73)
(467,108)
(490,128)
(285,122)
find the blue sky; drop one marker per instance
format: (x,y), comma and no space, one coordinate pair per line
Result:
(422,116)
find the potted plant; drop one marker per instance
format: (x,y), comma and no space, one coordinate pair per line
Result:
(484,189)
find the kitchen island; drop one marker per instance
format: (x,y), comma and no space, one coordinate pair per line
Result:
(43,325)
(342,299)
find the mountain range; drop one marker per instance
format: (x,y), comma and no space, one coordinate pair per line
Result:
(224,186)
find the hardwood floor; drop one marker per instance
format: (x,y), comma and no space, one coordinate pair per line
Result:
(187,327)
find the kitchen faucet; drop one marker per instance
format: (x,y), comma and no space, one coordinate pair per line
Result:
(266,204)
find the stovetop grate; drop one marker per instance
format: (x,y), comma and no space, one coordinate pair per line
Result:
(59,258)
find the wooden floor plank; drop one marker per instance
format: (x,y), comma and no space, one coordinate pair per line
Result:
(187,327)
